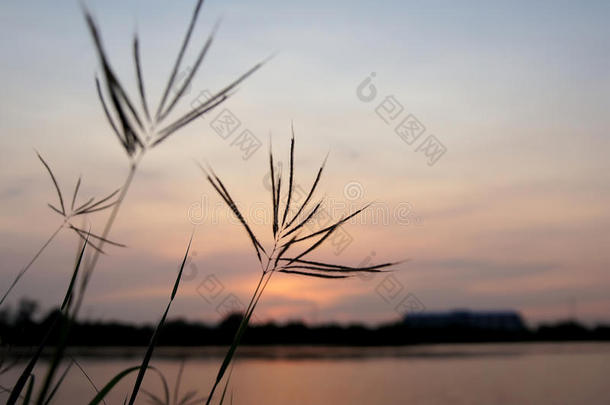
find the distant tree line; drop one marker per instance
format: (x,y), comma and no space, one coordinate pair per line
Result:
(19,328)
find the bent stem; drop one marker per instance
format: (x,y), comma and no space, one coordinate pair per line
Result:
(243,325)
(262,283)
(31,262)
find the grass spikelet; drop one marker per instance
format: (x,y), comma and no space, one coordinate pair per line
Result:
(139,76)
(275,262)
(310,194)
(290,179)
(222,191)
(54,180)
(185,42)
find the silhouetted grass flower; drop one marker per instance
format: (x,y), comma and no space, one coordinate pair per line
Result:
(286,230)
(88,207)
(139,129)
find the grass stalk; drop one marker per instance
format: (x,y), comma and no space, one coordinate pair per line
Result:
(276,262)
(31,262)
(60,317)
(90,265)
(155,336)
(243,325)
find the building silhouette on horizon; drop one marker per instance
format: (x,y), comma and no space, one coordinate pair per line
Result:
(506,320)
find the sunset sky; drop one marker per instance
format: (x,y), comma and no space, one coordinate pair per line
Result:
(514,215)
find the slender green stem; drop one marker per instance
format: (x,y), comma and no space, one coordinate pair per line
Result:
(25,269)
(113,214)
(258,292)
(237,339)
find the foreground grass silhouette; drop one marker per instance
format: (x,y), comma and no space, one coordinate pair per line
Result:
(138,131)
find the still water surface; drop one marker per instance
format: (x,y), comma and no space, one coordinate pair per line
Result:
(547,373)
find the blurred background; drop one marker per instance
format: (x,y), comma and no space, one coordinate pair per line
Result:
(479,131)
(512,216)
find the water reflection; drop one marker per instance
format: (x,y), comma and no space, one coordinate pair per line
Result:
(558,373)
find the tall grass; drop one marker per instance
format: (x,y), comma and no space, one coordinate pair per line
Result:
(286,229)
(136,129)
(90,206)
(139,129)
(62,319)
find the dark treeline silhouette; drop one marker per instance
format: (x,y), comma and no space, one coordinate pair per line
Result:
(18,328)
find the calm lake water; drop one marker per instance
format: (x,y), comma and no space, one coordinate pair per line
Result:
(533,373)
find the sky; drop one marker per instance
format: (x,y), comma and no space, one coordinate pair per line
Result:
(512,215)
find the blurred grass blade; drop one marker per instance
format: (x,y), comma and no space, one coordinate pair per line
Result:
(56,210)
(105,240)
(152,398)
(83,236)
(110,385)
(82,370)
(58,384)
(153,339)
(178,380)
(147,356)
(240,332)
(186,398)
(172,77)
(89,201)
(224,391)
(28,392)
(163,382)
(61,199)
(91,210)
(75,193)
(68,296)
(197,401)
(177,282)
(66,324)
(87,208)
(118,96)
(139,77)
(16,391)
(170,129)
(208,105)
(191,74)
(27,266)
(291,179)
(107,113)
